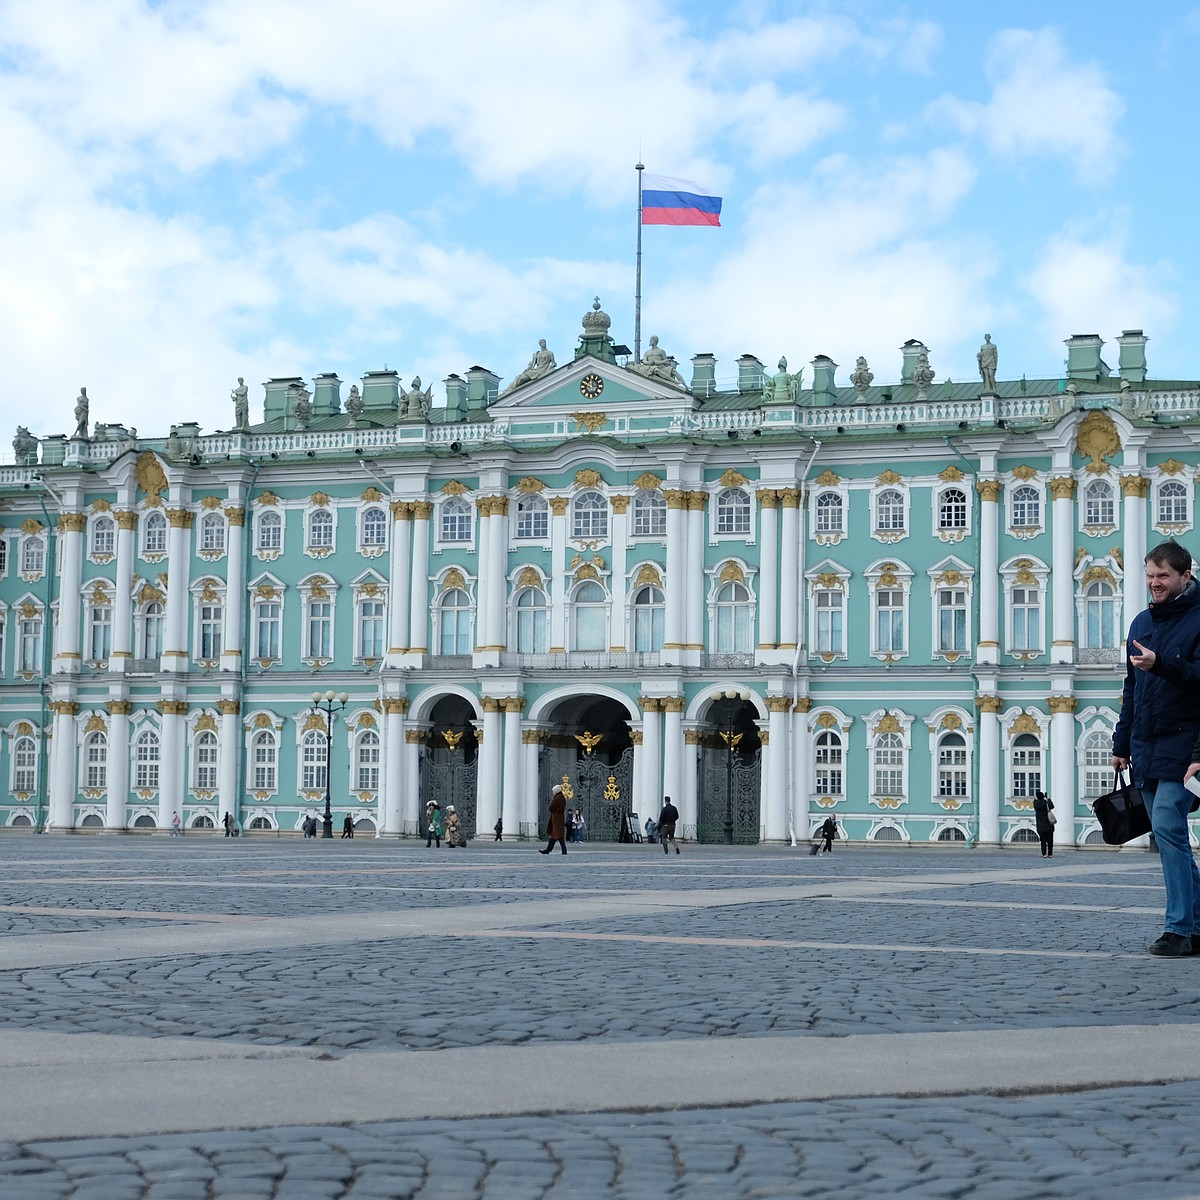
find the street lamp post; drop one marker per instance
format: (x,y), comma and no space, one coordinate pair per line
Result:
(731,737)
(327,702)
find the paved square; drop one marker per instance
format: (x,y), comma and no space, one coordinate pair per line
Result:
(203,1017)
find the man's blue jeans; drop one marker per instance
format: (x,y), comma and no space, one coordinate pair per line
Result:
(1169,806)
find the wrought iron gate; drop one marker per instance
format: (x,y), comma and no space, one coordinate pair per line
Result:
(448,778)
(729,790)
(602,790)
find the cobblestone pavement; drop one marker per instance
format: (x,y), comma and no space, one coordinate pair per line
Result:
(613,947)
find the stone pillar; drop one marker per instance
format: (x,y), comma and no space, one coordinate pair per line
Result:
(118,763)
(175,638)
(1062,582)
(676,581)
(531,741)
(514,788)
(558,580)
(171,757)
(802,767)
(990,783)
(1061,783)
(234,625)
(689,801)
(70,533)
(988,648)
(768,569)
(483,575)
(672,748)
(650,777)
(490,774)
(419,581)
(1134,489)
(696,583)
(122,643)
(63,760)
(776,818)
(232,744)
(789,569)
(400,575)
(620,587)
(410,796)
(497,583)
(391,806)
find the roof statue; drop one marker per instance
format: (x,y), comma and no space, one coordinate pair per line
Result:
(657,364)
(354,405)
(241,406)
(542,363)
(782,388)
(861,376)
(416,402)
(923,373)
(25,447)
(988,359)
(301,406)
(81,415)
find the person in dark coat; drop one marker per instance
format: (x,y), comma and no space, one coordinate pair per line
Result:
(827,833)
(1158,727)
(667,820)
(558,825)
(348,826)
(1043,815)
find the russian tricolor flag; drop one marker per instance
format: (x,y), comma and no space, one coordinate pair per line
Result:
(667,201)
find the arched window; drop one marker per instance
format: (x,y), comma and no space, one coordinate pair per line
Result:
(952,766)
(1098,505)
(104,537)
(150,640)
(1026,765)
(270,530)
(320,529)
(1026,507)
(145,761)
(887,753)
(889,511)
(374,527)
(649,615)
(24,765)
(455,520)
(827,756)
(589,516)
(33,555)
(830,513)
(533,517)
(533,622)
(1172,503)
(314,761)
(951,833)
(95,761)
(366,766)
(952,509)
(212,533)
(154,533)
(1100,616)
(589,612)
(264,756)
(733,511)
(734,620)
(649,514)
(454,622)
(204,761)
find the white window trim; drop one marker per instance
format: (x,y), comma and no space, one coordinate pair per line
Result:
(966,530)
(1041,576)
(871,721)
(904,578)
(1036,483)
(891,536)
(1172,528)
(967,582)
(1081,487)
(823,537)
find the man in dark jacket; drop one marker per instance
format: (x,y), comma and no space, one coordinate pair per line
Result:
(1158,726)
(667,820)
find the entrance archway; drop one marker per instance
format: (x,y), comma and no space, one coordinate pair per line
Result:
(730,770)
(449,762)
(589,752)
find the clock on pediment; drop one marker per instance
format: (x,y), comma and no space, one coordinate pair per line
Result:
(590,386)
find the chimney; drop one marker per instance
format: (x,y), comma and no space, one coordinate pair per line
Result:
(911,350)
(750,374)
(275,404)
(704,374)
(824,368)
(381,392)
(1083,357)
(1131,364)
(456,398)
(327,395)
(482,387)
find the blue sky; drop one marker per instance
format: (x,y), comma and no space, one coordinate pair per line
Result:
(204,190)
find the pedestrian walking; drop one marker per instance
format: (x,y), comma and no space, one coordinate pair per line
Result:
(1043,815)
(827,833)
(229,823)
(434,825)
(499,827)
(454,831)
(556,831)
(176,825)
(348,827)
(578,825)
(667,820)
(1157,730)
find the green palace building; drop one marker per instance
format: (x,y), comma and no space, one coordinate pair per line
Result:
(898,603)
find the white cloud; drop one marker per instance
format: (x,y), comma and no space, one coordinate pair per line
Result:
(1043,105)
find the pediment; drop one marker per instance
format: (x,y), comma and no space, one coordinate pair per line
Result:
(572,388)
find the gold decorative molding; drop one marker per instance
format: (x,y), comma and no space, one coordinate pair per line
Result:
(732,478)
(1171,467)
(988,489)
(1135,485)
(1062,487)
(803,704)
(1097,438)
(768,497)
(587,571)
(236,516)
(889,477)
(453,579)
(454,488)
(149,474)
(887,724)
(676,499)
(72,522)
(206,721)
(778,704)
(32,526)
(591,421)
(950,577)
(422,510)
(1024,473)
(64,708)
(401,510)
(395,706)
(558,505)
(173,708)
(229,708)
(950,474)
(265,591)
(827,479)
(126,518)
(1061,704)
(372,495)
(1025,724)
(620,504)
(647,481)
(1099,574)
(732,572)
(530,485)
(648,574)
(649,704)
(588,478)
(529,577)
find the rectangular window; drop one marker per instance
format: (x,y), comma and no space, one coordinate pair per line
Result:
(830,607)
(320,629)
(1026,619)
(952,620)
(211,621)
(30,645)
(952,772)
(889,620)
(206,765)
(533,519)
(266,633)
(100,633)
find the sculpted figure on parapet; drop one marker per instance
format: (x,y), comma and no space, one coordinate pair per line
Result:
(354,405)
(657,364)
(923,373)
(81,415)
(302,407)
(542,363)
(862,376)
(782,388)
(988,359)
(241,406)
(25,447)
(414,402)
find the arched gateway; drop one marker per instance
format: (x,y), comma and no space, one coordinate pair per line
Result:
(730,806)
(448,762)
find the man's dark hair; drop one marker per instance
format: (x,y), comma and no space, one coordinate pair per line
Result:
(1170,554)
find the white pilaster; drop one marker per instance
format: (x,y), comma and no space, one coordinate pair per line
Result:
(171,757)
(484,580)
(789,569)
(490,774)
(990,782)
(530,749)
(774,775)
(419,582)
(233,627)
(1133,529)
(1062,582)
(672,749)
(650,776)
(175,639)
(118,764)
(70,549)
(689,801)
(410,795)
(801,773)
(988,649)
(696,583)
(390,807)
(1062,767)
(768,569)
(558,582)
(122,643)
(511,800)
(400,581)
(231,743)
(63,769)
(675,585)
(620,585)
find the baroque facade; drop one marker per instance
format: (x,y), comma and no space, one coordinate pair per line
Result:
(901,604)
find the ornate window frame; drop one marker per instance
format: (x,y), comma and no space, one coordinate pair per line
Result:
(1018,573)
(889,575)
(888,731)
(951,574)
(1025,479)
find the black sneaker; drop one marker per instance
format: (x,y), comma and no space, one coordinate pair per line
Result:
(1173,945)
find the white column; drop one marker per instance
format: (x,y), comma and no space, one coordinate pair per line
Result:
(531,741)
(675,584)
(1062,581)
(231,746)
(122,643)
(410,797)
(70,548)
(672,749)
(175,639)
(235,612)
(510,804)
(170,766)
(695,585)
(393,766)
(689,802)
(988,650)
(497,587)
(768,570)
(419,582)
(1133,530)
(801,768)
(118,763)
(989,770)
(484,584)
(1062,767)
(774,776)
(400,579)
(789,569)
(64,751)
(489,776)
(558,581)
(651,774)
(620,584)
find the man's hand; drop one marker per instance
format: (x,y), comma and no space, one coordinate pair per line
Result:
(1192,769)
(1145,660)
(1122,764)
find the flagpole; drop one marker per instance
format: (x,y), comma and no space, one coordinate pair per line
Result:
(637,298)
